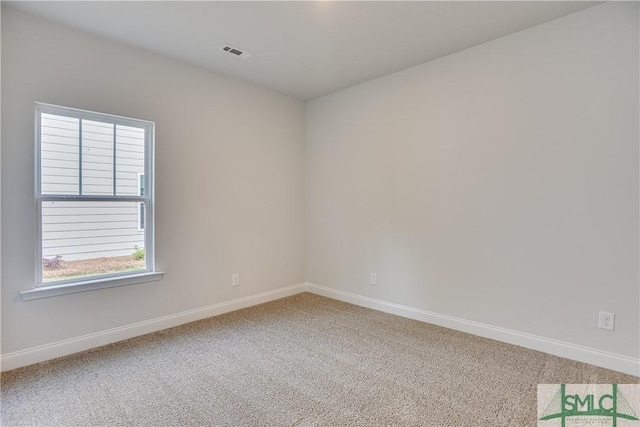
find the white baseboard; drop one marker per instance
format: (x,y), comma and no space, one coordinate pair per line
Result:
(579,353)
(42,353)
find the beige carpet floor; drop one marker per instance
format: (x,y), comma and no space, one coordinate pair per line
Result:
(302,360)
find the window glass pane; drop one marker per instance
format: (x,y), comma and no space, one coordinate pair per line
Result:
(97,158)
(129,159)
(59,150)
(83,239)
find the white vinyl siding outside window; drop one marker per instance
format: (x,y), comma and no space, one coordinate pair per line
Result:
(94,197)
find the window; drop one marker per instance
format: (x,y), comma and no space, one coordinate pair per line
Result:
(94,194)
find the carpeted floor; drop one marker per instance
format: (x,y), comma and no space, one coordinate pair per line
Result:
(302,360)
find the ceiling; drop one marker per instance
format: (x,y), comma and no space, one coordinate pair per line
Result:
(304,49)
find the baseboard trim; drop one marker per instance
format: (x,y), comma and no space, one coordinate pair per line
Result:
(579,353)
(46,352)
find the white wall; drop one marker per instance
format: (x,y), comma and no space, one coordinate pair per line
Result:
(498,184)
(229,179)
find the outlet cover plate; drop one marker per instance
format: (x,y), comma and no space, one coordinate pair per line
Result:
(606,321)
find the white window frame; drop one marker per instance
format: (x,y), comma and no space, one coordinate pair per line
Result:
(140,207)
(149,273)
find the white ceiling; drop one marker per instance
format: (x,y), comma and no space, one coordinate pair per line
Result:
(304,49)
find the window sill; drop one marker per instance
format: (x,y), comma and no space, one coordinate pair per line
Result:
(90,285)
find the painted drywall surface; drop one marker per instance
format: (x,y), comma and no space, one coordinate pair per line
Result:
(229,179)
(498,184)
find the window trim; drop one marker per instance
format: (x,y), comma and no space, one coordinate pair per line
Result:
(102,282)
(106,280)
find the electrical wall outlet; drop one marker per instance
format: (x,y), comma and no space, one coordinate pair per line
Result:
(606,321)
(235,280)
(374,279)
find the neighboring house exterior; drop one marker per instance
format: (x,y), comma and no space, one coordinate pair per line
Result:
(91,158)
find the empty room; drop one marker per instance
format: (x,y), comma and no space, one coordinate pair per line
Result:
(329,213)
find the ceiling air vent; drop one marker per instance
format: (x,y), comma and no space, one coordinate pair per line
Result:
(235,52)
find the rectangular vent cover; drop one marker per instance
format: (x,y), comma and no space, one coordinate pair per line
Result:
(235,52)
